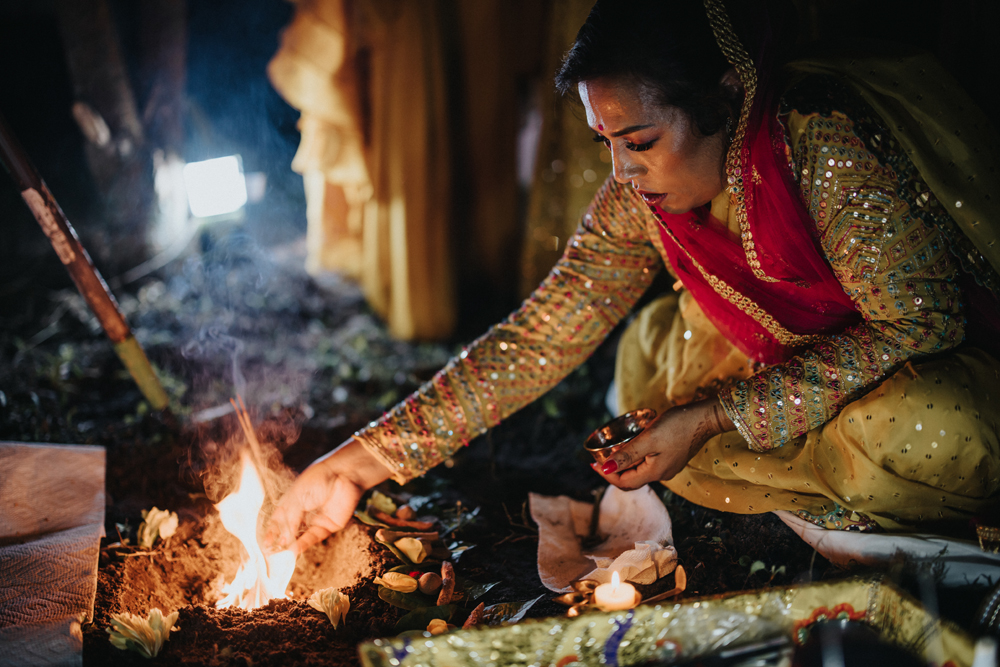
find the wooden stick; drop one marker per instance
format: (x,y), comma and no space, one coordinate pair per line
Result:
(244,419)
(447,583)
(76,260)
(379,515)
(256,453)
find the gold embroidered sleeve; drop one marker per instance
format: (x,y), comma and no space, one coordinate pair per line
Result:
(606,267)
(894,264)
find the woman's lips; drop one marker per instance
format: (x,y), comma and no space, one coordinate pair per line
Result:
(651,198)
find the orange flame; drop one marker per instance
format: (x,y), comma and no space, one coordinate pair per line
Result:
(259,578)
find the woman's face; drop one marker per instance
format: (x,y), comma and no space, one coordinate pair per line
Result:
(656,148)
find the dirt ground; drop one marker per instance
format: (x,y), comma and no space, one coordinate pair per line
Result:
(313,364)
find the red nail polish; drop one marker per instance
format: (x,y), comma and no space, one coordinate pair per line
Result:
(609,467)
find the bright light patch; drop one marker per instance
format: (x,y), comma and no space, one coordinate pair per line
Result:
(215,187)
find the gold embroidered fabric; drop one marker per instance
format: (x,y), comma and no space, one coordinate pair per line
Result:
(606,267)
(687,631)
(895,265)
(736,158)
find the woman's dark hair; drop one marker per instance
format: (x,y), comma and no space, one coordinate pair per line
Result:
(665,44)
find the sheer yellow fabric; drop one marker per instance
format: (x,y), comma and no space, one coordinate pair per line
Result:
(376,178)
(569,167)
(671,354)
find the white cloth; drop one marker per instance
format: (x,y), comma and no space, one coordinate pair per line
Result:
(638,539)
(956,562)
(51,524)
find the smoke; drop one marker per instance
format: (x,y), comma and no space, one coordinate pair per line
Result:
(233,296)
(212,342)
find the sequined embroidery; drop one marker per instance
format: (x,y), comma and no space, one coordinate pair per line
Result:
(738,154)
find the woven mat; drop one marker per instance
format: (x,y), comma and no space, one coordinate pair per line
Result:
(51,524)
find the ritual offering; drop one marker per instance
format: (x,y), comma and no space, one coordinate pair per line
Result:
(605,441)
(616,595)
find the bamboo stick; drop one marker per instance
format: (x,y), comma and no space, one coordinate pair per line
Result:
(76,260)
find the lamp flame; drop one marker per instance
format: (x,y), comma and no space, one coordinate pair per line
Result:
(259,579)
(615,581)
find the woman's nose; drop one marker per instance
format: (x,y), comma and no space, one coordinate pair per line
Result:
(623,168)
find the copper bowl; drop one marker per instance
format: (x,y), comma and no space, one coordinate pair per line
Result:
(605,441)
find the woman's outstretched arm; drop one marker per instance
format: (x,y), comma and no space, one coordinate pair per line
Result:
(606,267)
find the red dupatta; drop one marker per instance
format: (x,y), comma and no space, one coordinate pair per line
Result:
(771,291)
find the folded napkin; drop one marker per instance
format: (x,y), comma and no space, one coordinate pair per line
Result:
(635,525)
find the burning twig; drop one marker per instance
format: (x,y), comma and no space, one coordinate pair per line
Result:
(244,419)
(592,539)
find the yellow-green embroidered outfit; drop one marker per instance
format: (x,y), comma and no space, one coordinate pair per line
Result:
(890,422)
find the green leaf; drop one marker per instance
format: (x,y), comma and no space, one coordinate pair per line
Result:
(508,613)
(757,566)
(364,517)
(408,601)
(745,561)
(419,618)
(424,503)
(472,590)
(454,524)
(551,407)
(716,539)
(459,548)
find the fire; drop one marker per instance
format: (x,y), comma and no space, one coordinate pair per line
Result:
(259,578)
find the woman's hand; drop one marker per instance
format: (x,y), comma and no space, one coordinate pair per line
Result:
(323,497)
(665,447)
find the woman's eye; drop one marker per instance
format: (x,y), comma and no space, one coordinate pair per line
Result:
(602,140)
(638,148)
